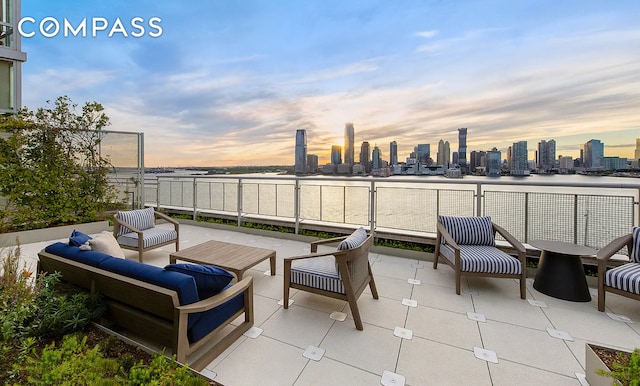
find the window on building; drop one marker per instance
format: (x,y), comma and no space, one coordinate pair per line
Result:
(6,27)
(6,11)
(6,86)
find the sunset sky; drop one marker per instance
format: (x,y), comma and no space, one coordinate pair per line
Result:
(229,82)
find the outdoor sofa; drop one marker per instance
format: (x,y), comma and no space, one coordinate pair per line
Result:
(174,310)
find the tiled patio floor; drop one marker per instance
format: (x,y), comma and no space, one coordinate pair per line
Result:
(441,349)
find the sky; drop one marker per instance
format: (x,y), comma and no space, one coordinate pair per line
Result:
(228,83)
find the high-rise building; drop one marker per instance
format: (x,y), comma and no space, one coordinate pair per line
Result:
(462,147)
(393,153)
(349,141)
(336,154)
(520,159)
(636,157)
(444,154)
(365,156)
(301,152)
(593,155)
(494,163)
(423,153)
(11,57)
(476,160)
(376,158)
(546,156)
(312,163)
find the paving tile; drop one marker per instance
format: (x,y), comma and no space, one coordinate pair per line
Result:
(382,312)
(444,327)
(330,372)
(310,326)
(444,298)
(511,311)
(506,373)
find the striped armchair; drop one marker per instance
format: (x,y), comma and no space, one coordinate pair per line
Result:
(136,230)
(341,274)
(467,244)
(623,280)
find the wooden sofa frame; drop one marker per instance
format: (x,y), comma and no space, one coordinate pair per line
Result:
(153,312)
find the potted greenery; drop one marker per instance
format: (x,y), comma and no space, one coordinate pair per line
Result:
(606,366)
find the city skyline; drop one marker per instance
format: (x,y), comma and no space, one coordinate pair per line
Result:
(229,83)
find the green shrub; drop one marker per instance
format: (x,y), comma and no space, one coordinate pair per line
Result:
(627,371)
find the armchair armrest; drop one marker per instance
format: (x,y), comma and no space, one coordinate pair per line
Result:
(610,249)
(510,239)
(221,298)
(118,223)
(314,244)
(166,218)
(290,259)
(447,237)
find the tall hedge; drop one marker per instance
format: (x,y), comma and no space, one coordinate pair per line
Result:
(51,169)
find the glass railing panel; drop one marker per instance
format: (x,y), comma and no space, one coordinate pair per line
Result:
(413,209)
(356,205)
(250,198)
(310,203)
(285,200)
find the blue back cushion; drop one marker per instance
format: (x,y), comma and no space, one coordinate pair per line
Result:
(78,238)
(469,230)
(74,253)
(210,280)
(635,251)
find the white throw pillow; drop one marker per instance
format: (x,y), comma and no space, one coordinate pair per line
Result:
(105,242)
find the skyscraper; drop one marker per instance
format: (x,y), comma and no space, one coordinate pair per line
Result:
(546,155)
(423,153)
(593,155)
(393,153)
(349,138)
(301,152)
(519,159)
(336,154)
(462,147)
(636,157)
(494,163)
(376,158)
(444,153)
(312,163)
(365,156)
(11,57)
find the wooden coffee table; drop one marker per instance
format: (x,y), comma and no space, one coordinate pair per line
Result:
(232,257)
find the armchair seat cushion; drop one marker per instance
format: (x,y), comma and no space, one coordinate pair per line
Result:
(151,237)
(625,277)
(317,272)
(483,258)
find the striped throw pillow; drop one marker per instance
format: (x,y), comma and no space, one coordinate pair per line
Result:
(139,218)
(635,251)
(469,230)
(354,240)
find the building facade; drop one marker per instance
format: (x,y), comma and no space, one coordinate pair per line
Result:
(336,155)
(376,158)
(349,141)
(593,154)
(444,154)
(393,153)
(462,148)
(365,156)
(493,163)
(11,57)
(546,159)
(300,166)
(312,163)
(519,159)
(423,153)
(636,157)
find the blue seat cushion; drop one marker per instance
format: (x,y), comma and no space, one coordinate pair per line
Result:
(150,237)
(469,230)
(317,272)
(74,253)
(210,280)
(78,238)
(213,318)
(625,277)
(483,258)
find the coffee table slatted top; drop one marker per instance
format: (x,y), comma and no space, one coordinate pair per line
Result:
(232,257)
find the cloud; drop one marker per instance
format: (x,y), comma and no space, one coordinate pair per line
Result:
(427,34)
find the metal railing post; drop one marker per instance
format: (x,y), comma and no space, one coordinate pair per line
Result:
(372,208)
(239,203)
(195,198)
(478,199)
(296,205)
(526,217)
(158,193)
(344,204)
(575,219)
(320,202)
